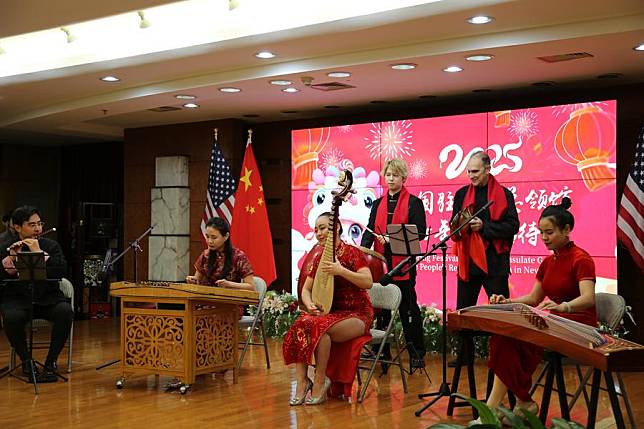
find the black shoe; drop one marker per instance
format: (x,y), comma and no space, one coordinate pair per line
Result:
(52,365)
(47,376)
(26,368)
(417,363)
(367,355)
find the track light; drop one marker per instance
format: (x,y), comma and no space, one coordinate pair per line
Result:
(70,36)
(233,4)
(144,22)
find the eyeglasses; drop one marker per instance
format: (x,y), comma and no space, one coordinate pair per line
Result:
(35,224)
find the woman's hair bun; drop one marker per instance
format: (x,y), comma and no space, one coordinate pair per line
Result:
(565,203)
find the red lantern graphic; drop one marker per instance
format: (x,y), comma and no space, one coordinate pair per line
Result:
(307,146)
(587,140)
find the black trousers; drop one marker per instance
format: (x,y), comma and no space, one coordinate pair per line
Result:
(468,292)
(410,317)
(16,317)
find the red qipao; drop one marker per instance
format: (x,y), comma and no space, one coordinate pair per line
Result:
(514,361)
(349,301)
(240,267)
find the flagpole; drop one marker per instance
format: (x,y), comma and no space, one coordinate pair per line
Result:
(250,137)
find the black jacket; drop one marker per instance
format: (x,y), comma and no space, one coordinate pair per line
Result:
(505,228)
(45,292)
(416,216)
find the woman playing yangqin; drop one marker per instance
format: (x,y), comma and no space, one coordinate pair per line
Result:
(328,336)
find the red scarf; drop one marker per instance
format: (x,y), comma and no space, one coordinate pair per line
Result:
(401,215)
(471,245)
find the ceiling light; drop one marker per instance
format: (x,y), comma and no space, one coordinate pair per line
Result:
(453,69)
(229,89)
(543,83)
(479,57)
(404,66)
(110,79)
(290,111)
(480,19)
(233,4)
(281,82)
(191,105)
(339,74)
(185,97)
(70,37)
(265,55)
(144,22)
(331,107)
(639,47)
(291,89)
(378,102)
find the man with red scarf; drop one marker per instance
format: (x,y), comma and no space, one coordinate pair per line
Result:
(399,207)
(483,247)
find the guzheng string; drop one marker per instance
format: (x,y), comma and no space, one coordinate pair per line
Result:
(557,325)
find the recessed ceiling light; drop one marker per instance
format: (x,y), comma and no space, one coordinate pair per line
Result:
(281,82)
(479,57)
(610,76)
(265,55)
(378,102)
(185,97)
(339,74)
(639,47)
(191,105)
(453,69)
(428,97)
(480,19)
(404,66)
(229,89)
(543,83)
(290,111)
(110,79)
(291,89)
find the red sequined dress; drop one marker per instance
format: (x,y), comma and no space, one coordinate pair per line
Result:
(349,301)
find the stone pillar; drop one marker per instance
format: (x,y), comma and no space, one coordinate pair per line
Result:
(169,243)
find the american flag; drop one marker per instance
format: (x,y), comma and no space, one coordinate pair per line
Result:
(631,212)
(220,198)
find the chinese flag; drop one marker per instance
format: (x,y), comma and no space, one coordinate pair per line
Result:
(250,230)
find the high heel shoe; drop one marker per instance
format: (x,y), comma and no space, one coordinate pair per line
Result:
(533,408)
(300,400)
(320,399)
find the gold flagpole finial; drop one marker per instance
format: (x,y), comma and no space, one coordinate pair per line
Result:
(215,130)
(250,137)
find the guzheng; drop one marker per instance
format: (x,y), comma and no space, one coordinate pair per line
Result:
(573,339)
(178,329)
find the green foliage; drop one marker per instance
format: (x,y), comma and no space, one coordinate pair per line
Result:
(490,419)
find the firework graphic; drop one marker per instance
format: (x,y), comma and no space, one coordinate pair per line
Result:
(524,124)
(331,158)
(346,129)
(390,140)
(567,109)
(418,169)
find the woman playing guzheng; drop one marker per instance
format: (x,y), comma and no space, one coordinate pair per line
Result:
(566,279)
(221,264)
(335,338)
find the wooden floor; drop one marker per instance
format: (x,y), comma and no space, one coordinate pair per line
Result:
(90,399)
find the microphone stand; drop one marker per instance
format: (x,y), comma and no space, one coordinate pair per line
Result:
(443,390)
(135,246)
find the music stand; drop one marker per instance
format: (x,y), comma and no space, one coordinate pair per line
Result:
(108,264)
(31,270)
(404,241)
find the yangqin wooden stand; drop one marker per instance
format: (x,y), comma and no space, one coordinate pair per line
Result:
(179,330)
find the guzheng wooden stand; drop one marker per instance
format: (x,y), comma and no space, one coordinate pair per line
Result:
(179,330)
(614,355)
